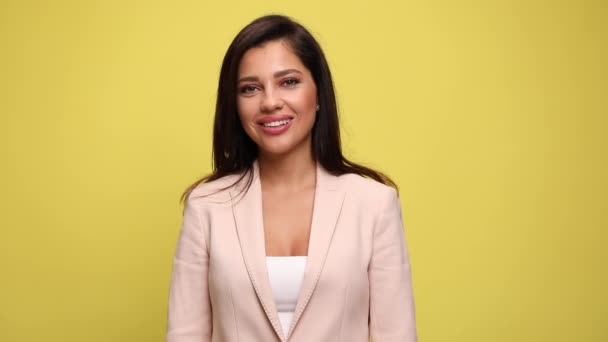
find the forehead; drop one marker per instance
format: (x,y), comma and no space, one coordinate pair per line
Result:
(270,57)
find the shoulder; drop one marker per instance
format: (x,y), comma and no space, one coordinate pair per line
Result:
(367,190)
(214,192)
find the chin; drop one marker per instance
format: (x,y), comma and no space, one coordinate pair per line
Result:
(284,145)
(276,150)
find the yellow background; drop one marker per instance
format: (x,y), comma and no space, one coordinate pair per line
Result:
(492,117)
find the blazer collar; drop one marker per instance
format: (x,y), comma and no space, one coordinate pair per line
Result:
(247,211)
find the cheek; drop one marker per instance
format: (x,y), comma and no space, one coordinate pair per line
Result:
(246,112)
(246,119)
(303,102)
(310,103)
(241,108)
(312,119)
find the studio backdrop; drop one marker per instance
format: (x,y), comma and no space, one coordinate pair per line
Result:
(491,116)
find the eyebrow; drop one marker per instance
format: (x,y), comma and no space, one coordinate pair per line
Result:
(276,75)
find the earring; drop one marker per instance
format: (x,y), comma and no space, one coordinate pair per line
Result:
(317,108)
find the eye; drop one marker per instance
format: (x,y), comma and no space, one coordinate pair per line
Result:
(249,88)
(291,82)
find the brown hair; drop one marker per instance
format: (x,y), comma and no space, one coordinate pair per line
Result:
(233,151)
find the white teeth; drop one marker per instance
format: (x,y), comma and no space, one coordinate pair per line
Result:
(276,123)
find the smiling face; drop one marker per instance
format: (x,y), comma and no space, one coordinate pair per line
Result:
(276,99)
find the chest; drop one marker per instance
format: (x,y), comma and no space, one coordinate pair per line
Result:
(287,222)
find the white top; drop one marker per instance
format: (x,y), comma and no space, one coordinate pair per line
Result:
(286,274)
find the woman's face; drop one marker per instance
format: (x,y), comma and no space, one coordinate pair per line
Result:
(276,99)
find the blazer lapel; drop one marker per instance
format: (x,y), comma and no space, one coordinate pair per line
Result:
(248,217)
(326,210)
(247,210)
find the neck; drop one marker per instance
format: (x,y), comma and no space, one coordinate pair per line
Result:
(290,172)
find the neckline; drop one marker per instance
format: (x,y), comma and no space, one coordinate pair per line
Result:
(318,181)
(285,256)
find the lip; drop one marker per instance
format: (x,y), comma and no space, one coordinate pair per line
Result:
(271,118)
(278,129)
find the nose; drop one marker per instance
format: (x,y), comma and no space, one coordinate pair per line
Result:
(271,101)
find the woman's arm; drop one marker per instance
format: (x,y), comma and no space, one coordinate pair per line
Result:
(189,318)
(391,297)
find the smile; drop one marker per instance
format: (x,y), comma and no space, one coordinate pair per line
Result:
(276,123)
(276,126)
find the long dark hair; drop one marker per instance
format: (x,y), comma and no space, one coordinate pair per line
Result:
(233,151)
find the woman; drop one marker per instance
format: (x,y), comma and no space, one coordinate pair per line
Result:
(287,240)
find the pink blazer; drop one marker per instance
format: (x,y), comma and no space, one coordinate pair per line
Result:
(357,280)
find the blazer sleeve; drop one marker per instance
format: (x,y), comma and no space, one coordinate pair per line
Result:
(189,312)
(391,296)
